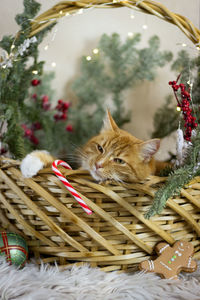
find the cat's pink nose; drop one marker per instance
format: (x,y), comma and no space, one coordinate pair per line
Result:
(98,165)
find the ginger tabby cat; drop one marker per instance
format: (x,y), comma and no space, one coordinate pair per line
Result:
(113,154)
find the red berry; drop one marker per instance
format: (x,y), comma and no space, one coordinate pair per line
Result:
(28,132)
(59,107)
(66,105)
(45,99)
(46,106)
(34,140)
(69,128)
(36,126)
(34,96)
(56,117)
(35,82)
(63,116)
(175,87)
(24,126)
(182,85)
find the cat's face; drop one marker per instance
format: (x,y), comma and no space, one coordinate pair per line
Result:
(116,155)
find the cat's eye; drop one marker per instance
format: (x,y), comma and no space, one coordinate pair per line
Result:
(100,148)
(119,161)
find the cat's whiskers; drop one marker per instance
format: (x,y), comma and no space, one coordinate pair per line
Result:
(74,157)
(117,178)
(81,153)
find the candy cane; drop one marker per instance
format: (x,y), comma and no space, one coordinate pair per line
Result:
(68,185)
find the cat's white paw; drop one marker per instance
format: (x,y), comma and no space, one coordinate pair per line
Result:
(31,165)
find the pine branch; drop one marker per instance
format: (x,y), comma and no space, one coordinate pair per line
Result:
(14,134)
(178,178)
(172,187)
(166,119)
(15,80)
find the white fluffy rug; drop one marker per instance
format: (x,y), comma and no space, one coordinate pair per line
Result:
(85,283)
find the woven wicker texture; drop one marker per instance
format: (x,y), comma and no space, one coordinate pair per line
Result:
(66,8)
(115,237)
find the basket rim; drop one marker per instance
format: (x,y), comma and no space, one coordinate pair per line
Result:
(69,8)
(106,228)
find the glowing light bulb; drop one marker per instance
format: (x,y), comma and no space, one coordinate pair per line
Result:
(80,11)
(144,26)
(130,34)
(95,51)
(46,47)
(67,14)
(88,58)
(178,108)
(61,12)
(132,16)
(13,46)
(184,45)
(53,64)
(35,72)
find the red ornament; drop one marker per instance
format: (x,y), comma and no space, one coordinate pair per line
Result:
(35,82)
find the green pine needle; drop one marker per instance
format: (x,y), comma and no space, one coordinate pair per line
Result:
(178,179)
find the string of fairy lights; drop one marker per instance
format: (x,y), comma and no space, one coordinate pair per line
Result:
(12,56)
(95,51)
(130,34)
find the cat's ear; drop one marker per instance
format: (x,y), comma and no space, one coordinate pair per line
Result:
(149,148)
(109,123)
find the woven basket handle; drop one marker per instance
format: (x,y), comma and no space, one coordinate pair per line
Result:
(66,8)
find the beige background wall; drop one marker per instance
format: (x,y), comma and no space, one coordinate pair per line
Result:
(78,35)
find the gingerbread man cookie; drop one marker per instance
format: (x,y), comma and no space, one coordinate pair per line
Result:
(171,260)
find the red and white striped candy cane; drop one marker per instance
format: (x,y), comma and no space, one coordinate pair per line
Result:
(68,185)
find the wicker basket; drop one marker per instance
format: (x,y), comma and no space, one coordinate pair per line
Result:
(116,236)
